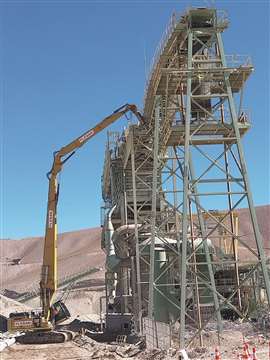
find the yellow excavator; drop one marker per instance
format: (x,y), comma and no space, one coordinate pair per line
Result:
(38,325)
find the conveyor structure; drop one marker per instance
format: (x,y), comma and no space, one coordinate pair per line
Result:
(167,181)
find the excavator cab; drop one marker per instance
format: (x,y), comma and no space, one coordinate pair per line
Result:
(59,312)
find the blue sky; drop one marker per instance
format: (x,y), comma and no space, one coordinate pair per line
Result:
(66,65)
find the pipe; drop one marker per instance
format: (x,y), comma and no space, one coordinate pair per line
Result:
(111,260)
(117,238)
(122,230)
(110,231)
(100,312)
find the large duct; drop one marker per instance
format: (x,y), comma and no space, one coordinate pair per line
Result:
(112,260)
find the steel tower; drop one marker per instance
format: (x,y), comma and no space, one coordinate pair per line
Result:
(173,185)
(195,93)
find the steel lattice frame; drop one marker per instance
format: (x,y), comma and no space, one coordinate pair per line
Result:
(205,66)
(184,160)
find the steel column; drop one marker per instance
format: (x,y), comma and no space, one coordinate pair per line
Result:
(136,234)
(253,215)
(151,310)
(183,253)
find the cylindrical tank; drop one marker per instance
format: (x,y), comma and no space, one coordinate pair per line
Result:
(165,294)
(205,294)
(161,307)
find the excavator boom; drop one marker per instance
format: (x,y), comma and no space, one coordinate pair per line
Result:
(53,313)
(48,284)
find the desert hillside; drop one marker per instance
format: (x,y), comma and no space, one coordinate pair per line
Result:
(80,250)
(21,259)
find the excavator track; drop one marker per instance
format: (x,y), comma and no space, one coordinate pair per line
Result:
(46,337)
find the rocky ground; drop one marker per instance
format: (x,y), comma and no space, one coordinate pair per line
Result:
(83,347)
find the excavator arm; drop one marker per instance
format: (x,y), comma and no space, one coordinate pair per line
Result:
(48,283)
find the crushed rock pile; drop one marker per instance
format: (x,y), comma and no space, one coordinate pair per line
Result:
(263,319)
(106,351)
(125,351)
(231,344)
(9,305)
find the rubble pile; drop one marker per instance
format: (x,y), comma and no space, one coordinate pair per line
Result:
(107,351)
(124,351)
(263,320)
(231,344)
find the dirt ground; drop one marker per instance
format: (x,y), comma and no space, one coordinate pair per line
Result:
(71,351)
(64,351)
(83,347)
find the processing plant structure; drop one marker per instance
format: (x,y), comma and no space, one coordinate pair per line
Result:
(172,185)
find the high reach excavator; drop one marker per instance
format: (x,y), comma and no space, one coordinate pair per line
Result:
(39,325)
